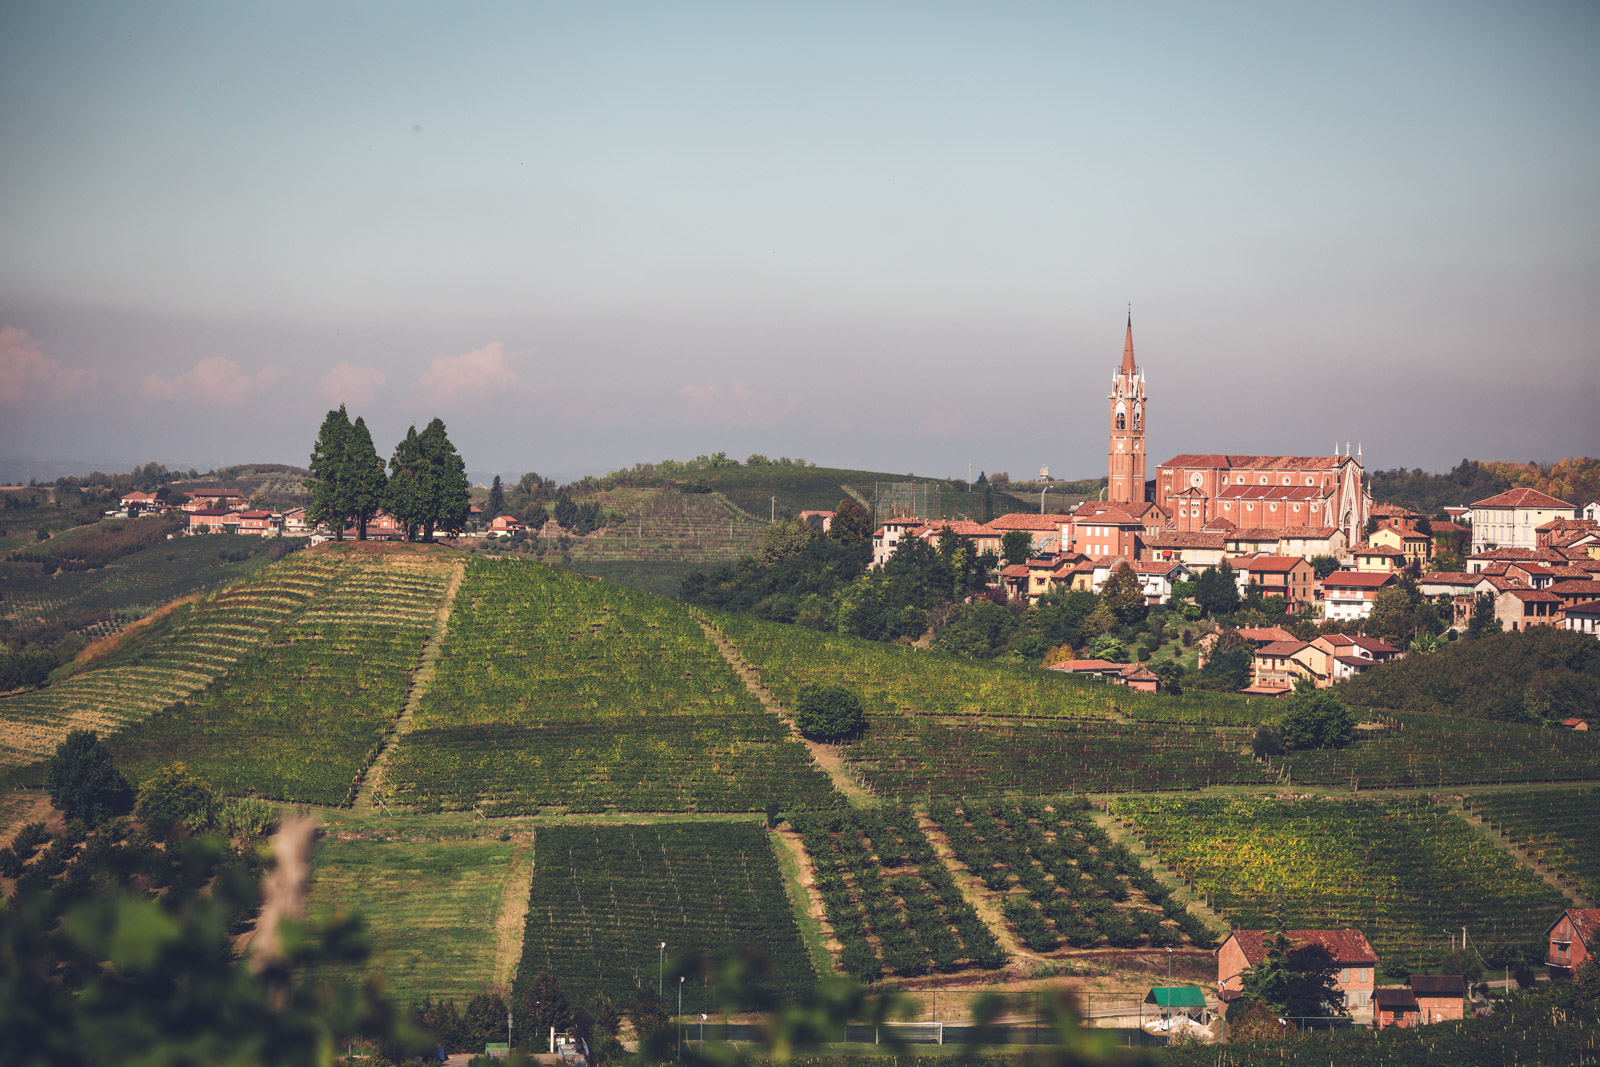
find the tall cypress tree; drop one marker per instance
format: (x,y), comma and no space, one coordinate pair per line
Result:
(406,498)
(365,480)
(497,500)
(449,499)
(329,481)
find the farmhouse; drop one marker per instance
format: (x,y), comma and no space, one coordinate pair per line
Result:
(1358,964)
(1572,939)
(206,520)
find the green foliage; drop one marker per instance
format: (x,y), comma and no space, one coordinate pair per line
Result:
(408,497)
(172,797)
(1226,672)
(496,504)
(851,524)
(1108,648)
(247,818)
(85,783)
(1124,596)
(1316,718)
(920,922)
(25,668)
(1016,546)
(448,495)
(828,713)
(1483,620)
(1077,884)
(1399,871)
(603,899)
(330,454)
(1322,566)
(361,477)
(1537,674)
(1294,980)
(1216,590)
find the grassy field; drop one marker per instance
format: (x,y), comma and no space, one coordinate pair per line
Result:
(606,697)
(1558,827)
(304,714)
(1402,871)
(604,898)
(433,905)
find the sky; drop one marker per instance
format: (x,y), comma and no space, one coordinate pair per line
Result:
(899,237)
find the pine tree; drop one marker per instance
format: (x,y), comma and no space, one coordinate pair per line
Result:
(449,496)
(364,477)
(497,500)
(406,499)
(329,480)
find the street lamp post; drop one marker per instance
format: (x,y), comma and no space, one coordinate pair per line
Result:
(1169,993)
(680,1016)
(661,964)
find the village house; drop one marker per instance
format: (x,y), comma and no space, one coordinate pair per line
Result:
(1572,939)
(260,523)
(1440,997)
(1414,547)
(295,524)
(1358,964)
(1393,517)
(1519,609)
(1047,531)
(1101,531)
(1446,583)
(1512,519)
(1197,550)
(1348,595)
(1290,577)
(822,520)
(1156,579)
(1554,533)
(503,526)
(1014,580)
(1312,541)
(1276,668)
(205,520)
(137,503)
(1131,675)
(1583,618)
(1591,511)
(224,499)
(1395,1006)
(1576,592)
(1378,559)
(886,538)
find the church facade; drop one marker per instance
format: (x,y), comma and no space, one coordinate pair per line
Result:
(1215,492)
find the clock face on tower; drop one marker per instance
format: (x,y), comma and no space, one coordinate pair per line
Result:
(1196,478)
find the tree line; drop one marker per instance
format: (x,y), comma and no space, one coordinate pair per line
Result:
(424,488)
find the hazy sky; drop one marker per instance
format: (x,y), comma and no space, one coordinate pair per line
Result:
(901,237)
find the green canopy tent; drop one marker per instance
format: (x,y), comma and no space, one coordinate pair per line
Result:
(1187,999)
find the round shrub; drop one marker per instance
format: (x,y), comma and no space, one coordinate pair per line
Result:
(172,795)
(828,713)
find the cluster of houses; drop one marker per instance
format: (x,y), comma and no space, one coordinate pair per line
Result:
(209,511)
(1268,517)
(1572,938)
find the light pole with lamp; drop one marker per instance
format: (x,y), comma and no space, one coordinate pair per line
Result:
(1169,994)
(680,1016)
(661,966)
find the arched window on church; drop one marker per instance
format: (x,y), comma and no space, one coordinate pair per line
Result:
(1122,421)
(1137,415)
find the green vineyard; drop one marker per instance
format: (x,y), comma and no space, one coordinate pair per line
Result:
(555,689)
(200,645)
(1404,872)
(892,905)
(1558,827)
(604,899)
(1064,879)
(304,715)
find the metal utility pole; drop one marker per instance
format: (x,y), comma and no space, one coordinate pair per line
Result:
(774,510)
(661,965)
(680,1016)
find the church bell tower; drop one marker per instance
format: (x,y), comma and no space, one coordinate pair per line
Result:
(1128,411)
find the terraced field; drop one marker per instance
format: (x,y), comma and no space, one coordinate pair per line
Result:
(199,646)
(1402,871)
(605,697)
(305,713)
(604,898)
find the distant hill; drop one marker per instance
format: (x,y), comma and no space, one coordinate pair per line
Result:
(1575,480)
(268,482)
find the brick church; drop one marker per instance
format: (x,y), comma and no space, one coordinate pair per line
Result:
(1217,493)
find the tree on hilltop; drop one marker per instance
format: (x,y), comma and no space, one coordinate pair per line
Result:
(407,497)
(363,478)
(497,500)
(329,457)
(449,498)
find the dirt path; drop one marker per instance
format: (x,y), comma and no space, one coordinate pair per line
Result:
(372,782)
(810,914)
(824,756)
(974,892)
(1164,874)
(1502,841)
(510,921)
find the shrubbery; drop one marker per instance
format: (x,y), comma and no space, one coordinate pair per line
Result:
(84,784)
(828,713)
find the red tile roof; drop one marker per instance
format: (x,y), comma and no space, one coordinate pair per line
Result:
(1173,539)
(1378,550)
(1585,920)
(1219,523)
(1395,998)
(1534,596)
(1347,947)
(1087,665)
(1265,634)
(1356,580)
(208,513)
(1272,492)
(1395,510)
(1450,578)
(1574,589)
(1268,563)
(1590,607)
(1023,521)
(1217,460)
(1522,498)
(1281,648)
(1438,985)
(1372,644)
(1015,570)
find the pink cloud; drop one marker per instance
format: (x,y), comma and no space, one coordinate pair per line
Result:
(471,375)
(214,380)
(732,405)
(27,374)
(351,384)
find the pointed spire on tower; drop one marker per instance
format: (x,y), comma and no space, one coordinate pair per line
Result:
(1127,346)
